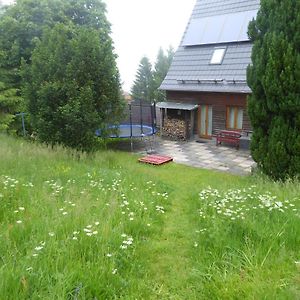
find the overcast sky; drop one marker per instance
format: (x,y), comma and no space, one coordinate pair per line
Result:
(140,27)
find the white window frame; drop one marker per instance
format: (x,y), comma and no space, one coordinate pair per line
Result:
(218,56)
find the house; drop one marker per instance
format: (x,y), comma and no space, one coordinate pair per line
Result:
(209,68)
(127,96)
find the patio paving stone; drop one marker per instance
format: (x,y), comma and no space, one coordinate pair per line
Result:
(208,156)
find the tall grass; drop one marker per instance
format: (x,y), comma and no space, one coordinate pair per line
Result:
(106,227)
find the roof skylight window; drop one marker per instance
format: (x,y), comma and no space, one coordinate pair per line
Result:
(218,56)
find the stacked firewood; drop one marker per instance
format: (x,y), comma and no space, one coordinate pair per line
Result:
(174,129)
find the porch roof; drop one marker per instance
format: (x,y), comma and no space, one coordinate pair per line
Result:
(177,105)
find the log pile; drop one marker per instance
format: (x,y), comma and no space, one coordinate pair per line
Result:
(175,129)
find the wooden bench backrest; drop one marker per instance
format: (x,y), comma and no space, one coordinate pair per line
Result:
(229,133)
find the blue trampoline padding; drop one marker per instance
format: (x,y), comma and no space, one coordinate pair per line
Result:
(127,131)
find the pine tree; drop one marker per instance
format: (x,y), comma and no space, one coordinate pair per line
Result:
(10,103)
(161,68)
(143,85)
(10,99)
(274,77)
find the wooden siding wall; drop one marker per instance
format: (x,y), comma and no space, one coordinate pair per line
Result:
(219,102)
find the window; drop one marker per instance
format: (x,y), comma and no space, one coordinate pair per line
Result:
(234,118)
(218,56)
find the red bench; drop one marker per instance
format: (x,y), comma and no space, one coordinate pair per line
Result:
(229,136)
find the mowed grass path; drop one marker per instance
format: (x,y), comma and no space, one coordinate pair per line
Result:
(107,227)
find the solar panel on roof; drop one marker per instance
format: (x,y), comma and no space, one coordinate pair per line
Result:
(219,29)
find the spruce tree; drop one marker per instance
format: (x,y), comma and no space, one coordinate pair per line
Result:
(162,65)
(143,86)
(274,77)
(10,103)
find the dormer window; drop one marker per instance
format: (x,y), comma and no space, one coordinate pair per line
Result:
(218,55)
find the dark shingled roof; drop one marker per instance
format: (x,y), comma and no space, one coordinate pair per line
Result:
(191,69)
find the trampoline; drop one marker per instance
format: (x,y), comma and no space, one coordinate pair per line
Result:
(129,131)
(139,122)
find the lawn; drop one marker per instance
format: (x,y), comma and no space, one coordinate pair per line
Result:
(106,227)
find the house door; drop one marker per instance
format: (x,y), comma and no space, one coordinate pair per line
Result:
(205,121)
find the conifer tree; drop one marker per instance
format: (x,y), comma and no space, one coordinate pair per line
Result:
(274,77)
(10,103)
(143,85)
(162,65)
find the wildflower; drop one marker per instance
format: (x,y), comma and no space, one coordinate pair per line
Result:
(19,222)
(95,232)
(160,209)
(34,254)
(86,230)
(89,226)
(148,225)
(114,271)
(74,238)
(51,233)
(21,208)
(29,269)
(109,255)
(97,223)
(39,248)
(195,245)
(64,213)
(89,233)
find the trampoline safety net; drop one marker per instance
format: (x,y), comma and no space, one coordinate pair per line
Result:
(139,121)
